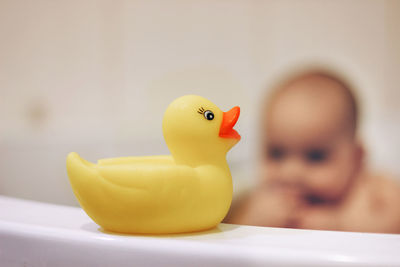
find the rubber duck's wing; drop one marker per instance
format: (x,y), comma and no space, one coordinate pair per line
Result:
(161,159)
(148,176)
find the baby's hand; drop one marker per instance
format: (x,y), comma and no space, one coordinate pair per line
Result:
(268,206)
(319,217)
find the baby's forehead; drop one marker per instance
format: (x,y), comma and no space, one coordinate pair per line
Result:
(316,88)
(312,102)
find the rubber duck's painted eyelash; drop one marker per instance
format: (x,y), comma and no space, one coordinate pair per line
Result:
(201,110)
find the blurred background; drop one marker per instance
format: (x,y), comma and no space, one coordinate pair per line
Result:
(96,76)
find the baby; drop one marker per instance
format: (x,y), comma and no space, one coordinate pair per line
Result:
(312,164)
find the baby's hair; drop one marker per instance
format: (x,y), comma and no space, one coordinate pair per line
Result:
(346,89)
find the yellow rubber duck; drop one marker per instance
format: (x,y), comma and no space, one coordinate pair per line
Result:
(189,190)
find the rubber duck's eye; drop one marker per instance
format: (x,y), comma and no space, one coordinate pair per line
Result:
(208,115)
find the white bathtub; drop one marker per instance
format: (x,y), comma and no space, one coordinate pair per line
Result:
(40,234)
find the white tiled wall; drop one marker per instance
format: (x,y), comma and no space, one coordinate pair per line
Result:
(95,76)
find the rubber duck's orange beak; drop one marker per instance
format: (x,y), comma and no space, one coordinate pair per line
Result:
(228,121)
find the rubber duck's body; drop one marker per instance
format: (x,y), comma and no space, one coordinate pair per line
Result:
(190,190)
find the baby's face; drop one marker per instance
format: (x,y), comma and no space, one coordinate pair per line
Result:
(307,149)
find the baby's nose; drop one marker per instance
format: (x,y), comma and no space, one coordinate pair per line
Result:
(292,172)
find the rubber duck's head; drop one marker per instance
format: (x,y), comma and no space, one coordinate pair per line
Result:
(197,131)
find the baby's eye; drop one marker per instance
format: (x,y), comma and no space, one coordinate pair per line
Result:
(316,155)
(276,153)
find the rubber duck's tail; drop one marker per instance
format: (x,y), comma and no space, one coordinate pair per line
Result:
(80,171)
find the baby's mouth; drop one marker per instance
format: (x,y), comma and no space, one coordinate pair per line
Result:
(313,199)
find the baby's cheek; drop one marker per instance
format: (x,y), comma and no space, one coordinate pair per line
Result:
(326,181)
(270,171)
